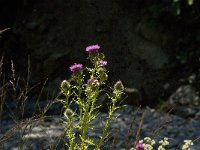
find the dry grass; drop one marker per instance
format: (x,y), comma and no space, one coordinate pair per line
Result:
(18,90)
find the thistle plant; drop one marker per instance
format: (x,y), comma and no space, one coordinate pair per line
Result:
(80,101)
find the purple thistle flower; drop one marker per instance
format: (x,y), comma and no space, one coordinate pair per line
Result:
(92,82)
(102,62)
(140,146)
(75,67)
(88,81)
(92,48)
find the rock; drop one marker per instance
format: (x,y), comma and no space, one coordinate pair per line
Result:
(132,57)
(131,97)
(152,32)
(185,102)
(184,95)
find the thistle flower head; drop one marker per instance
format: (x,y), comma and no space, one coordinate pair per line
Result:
(140,146)
(93,82)
(92,48)
(102,63)
(75,67)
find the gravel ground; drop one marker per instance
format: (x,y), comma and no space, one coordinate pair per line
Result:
(43,134)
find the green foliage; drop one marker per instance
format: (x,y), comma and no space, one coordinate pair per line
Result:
(84,94)
(83,91)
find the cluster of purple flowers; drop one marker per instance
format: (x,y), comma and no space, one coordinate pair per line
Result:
(90,48)
(76,67)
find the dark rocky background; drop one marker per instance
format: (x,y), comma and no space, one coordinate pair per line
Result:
(151,45)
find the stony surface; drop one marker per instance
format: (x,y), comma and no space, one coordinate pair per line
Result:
(55,35)
(185,95)
(45,133)
(185,102)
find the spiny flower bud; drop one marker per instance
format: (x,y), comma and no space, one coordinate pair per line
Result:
(101,70)
(102,74)
(101,56)
(119,86)
(65,85)
(68,113)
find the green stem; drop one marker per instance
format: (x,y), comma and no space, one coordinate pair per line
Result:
(105,130)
